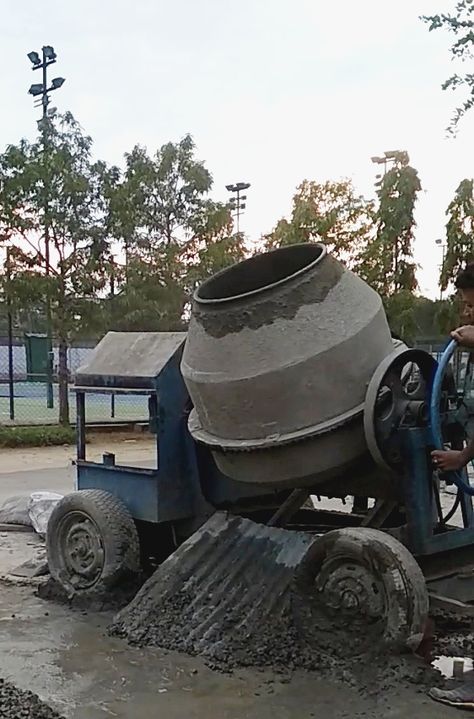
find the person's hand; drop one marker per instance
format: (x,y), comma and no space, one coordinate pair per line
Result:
(447,461)
(465,336)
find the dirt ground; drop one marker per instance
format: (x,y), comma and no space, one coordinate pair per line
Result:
(66,657)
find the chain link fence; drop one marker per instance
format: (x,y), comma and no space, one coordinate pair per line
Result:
(29,388)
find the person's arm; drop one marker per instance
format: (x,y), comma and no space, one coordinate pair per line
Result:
(452,460)
(465,336)
(468,453)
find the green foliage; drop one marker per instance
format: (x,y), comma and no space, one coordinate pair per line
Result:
(387,263)
(51,189)
(448,315)
(460,23)
(459,233)
(36,436)
(158,209)
(173,233)
(401,314)
(213,245)
(328,212)
(411,317)
(160,197)
(152,297)
(63,187)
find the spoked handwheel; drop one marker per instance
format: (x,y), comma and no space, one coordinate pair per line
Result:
(397,394)
(359,590)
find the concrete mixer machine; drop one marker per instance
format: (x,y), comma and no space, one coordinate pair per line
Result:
(287,386)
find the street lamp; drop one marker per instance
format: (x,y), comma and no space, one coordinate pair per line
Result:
(57,82)
(41,90)
(237,203)
(49,53)
(34,57)
(47,58)
(36,89)
(391,157)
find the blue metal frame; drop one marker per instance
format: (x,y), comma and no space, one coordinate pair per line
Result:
(418,481)
(186,483)
(419,500)
(171,491)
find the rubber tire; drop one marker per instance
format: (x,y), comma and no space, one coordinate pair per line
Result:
(405,586)
(118,534)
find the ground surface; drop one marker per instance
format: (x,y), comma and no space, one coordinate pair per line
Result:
(66,657)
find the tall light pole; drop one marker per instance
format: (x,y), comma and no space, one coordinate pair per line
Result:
(11,375)
(443,246)
(237,203)
(41,92)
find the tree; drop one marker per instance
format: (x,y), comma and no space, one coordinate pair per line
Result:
(459,233)
(159,197)
(328,212)
(386,263)
(461,24)
(448,314)
(173,234)
(213,245)
(412,317)
(53,183)
(400,309)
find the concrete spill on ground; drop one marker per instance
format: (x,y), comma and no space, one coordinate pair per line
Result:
(228,597)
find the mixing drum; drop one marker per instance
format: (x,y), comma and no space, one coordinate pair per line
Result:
(280,350)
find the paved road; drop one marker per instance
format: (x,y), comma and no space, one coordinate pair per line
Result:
(53,479)
(51,468)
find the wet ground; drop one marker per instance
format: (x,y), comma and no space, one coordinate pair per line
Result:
(66,657)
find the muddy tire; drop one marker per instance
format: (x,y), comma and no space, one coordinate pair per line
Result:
(92,542)
(370,586)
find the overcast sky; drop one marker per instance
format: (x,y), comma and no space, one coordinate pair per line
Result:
(273,91)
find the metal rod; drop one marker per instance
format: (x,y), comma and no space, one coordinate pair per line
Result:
(290,506)
(379,513)
(81,425)
(11,378)
(238,212)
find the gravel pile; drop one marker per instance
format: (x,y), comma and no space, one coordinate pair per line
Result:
(18,704)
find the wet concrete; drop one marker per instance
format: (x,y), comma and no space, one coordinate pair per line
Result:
(67,659)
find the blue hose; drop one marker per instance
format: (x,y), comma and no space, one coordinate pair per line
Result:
(435,420)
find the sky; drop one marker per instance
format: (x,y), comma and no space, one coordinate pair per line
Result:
(272,91)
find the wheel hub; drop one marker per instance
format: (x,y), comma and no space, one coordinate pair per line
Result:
(350,588)
(82,549)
